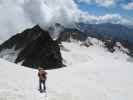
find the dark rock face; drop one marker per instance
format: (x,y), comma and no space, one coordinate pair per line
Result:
(75,34)
(110,45)
(36,49)
(129,46)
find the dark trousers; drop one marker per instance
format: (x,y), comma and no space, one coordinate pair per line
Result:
(42,82)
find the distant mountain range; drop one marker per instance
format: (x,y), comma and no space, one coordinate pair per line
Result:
(109,34)
(114,31)
(35,47)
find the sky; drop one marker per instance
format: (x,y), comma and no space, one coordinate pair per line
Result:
(123,8)
(17,15)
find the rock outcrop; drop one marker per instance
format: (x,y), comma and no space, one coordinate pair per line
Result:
(36,48)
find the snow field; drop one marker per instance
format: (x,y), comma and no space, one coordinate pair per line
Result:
(91,74)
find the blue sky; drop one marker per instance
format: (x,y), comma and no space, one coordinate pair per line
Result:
(95,7)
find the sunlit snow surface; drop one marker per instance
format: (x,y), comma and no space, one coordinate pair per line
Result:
(91,74)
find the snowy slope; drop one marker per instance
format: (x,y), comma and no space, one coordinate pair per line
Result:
(92,74)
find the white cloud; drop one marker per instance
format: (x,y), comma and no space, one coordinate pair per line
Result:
(16,15)
(105,3)
(12,19)
(108,18)
(128,6)
(49,12)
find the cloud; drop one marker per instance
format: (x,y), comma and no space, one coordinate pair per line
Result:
(16,15)
(67,13)
(104,3)
(12,19)
(108,18)
(49,12)
(128,6)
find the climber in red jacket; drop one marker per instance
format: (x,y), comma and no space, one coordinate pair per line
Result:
(42,78)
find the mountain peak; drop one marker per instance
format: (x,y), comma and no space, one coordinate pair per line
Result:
(33,47)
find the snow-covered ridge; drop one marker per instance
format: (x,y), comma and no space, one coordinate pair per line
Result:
(117,47)
(96,44)
(78,52)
